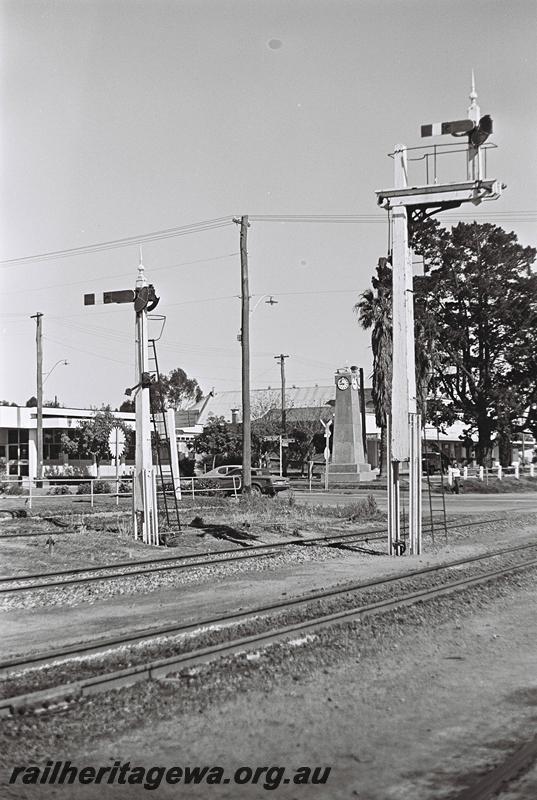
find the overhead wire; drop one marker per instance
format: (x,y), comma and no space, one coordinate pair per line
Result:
(167,233)
(111,275)
(220,222)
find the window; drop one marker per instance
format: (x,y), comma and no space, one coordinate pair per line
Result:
(52,444)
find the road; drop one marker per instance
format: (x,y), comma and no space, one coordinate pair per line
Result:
(461,503)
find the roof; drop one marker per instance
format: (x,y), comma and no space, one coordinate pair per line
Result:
(26,416)
(220,404)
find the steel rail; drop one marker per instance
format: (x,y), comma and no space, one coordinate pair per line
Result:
(169,630)
(497,779)
(63,696)
(87,574)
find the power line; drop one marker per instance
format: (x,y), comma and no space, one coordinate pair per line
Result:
(89,352)
(167,233)
(130,274)
(523,216)
(220,222)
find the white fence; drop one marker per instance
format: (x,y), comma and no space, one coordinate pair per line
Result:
(484,473)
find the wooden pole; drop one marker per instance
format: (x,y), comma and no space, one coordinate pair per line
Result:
(39,347)
(283,466)
(245,350)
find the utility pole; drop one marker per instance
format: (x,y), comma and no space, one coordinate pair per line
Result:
(283,465)
(245,351)
(39,344)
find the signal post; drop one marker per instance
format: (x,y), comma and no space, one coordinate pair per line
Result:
(145,510)
(409,204)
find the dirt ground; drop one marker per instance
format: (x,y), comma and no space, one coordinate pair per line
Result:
(435,706)
(419,723)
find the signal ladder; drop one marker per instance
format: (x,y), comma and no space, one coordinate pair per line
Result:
(161,440)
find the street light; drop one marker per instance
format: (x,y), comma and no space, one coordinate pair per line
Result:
(49,373)
(270,302)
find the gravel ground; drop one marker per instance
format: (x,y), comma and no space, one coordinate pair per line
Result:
(383,701)
(488,532)
(163,647)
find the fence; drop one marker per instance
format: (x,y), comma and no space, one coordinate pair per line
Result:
(98,489)
(484,473)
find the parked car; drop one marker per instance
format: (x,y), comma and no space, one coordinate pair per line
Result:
(262,480)
(435,463)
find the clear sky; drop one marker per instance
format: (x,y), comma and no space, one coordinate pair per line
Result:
(125,117)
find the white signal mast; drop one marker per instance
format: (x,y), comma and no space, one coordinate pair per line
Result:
(409,204)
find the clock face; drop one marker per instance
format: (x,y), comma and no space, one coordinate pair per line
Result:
(343,383)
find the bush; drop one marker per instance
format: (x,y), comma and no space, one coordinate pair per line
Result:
(59,490)
(99,487)
(11,488)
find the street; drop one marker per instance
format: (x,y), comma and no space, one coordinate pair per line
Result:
(455,503)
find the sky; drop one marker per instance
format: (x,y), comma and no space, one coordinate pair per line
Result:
(122,118)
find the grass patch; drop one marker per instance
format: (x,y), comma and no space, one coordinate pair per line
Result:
(524,484)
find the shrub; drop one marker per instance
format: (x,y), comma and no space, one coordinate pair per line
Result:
(11,488)
(59,490)
(101,487)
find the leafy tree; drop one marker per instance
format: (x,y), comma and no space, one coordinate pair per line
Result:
(7,403)
(176,388)
(31,402)
(483,297)
(219,442)
(476,316)
(90,438)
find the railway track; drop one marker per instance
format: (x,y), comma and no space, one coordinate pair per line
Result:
(82,575)
(498,779)
(63,696)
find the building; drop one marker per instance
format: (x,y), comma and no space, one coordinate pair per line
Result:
(18,438)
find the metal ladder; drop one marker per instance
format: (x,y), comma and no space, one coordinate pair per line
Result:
(162,439)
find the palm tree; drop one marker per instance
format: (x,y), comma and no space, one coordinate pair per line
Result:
(374,310)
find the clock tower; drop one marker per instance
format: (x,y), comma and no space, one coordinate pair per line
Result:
(349,462)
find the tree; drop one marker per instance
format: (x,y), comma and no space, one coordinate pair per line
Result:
(374,310)
(482,297)
(475,317)
(8,403)
(176,388)
(31,402)
(90,438)
(219,441)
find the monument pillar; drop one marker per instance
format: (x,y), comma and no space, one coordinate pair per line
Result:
(349,462)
